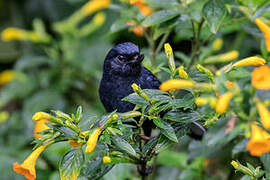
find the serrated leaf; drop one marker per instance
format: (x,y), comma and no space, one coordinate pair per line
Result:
(166,129)
(159,17)
(214,12)
(71,164)
(124,145)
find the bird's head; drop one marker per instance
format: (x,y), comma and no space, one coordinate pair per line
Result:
(124,59)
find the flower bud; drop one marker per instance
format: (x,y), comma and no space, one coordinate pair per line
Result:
(205,71)
(217,44)
(201,101)
(182,73)
(139,91)
(235,164)
(107,160)
(168,49)
(131,114)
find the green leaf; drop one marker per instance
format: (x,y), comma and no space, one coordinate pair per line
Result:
(79,114)
(239,147)
(186,102)
(184,117)
(162,3)
(263,9)
(149,146)
(31,62)
(265,158)
(71,164)
(95,168)
(214,12)
(135,99)
(166,129)
(174,159)
(159,17)
(124,145)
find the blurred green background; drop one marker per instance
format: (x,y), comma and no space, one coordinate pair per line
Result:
(66,75)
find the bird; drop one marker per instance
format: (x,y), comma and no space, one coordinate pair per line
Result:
(123,67)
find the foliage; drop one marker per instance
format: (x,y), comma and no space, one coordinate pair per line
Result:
(206,83)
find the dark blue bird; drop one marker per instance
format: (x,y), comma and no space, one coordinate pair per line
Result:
(122,67)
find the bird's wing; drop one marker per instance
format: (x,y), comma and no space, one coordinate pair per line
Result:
(149,80)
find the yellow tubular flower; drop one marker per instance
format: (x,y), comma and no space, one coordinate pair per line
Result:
(217,44)
(182,73)
(229,56)
(201,101)
(92,141)
(6,76)
(41,115)
(264,115)
(221,58)
(175,84)
(265,30)
(223,102)
(39,127)
(107,159)
(144,9)
(256,61)
(94,5)
(213,102)
(99,18)
(27,168)
(168,49)
(74,143)
(10,34)
(258,144)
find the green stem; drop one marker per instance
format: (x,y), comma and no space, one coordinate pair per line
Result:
(196,44)
(162,41)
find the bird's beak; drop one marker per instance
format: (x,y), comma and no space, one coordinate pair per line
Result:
(140,58)
(137,60)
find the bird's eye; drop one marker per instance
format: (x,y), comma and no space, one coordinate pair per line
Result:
(121,57)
